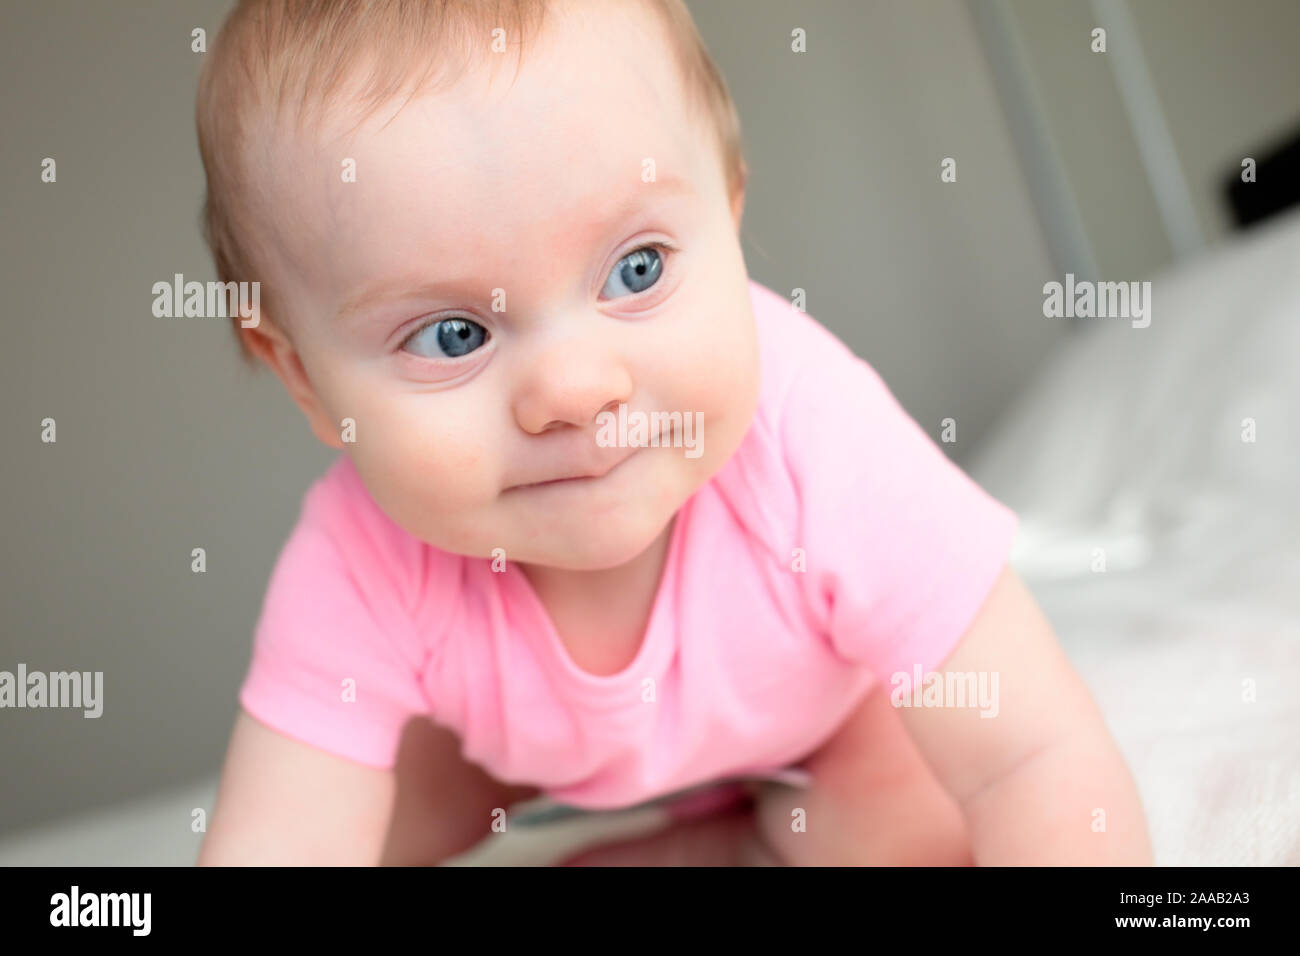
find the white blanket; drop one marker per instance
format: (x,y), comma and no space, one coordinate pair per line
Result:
(1132,442)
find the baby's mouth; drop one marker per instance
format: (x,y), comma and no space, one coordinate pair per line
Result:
(576,478)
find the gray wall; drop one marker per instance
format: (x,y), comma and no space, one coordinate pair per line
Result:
(1226,74)
(166,444)
(1228,78)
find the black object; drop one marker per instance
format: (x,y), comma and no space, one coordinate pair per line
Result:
(1276,186)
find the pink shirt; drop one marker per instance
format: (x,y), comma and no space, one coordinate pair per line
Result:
(837,547)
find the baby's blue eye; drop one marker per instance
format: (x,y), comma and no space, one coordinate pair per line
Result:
(636,272)
(447,338)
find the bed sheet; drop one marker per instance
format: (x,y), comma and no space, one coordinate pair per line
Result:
(1173,454)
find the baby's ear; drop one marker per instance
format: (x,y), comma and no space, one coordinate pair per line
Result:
(274,347)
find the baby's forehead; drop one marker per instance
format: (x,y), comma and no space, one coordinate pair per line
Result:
(592,111)
(604,61)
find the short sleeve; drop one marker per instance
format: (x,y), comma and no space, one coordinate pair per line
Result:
(335,660)
(901,546)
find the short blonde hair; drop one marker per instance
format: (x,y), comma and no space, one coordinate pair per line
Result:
(293,54)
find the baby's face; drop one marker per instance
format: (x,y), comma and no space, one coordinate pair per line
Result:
(616,290)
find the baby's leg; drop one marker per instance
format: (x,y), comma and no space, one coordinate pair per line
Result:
(444,804)
(873,801)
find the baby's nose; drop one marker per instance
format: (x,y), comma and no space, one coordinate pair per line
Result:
(570,387)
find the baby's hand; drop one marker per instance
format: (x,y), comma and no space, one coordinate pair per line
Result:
(1041,782)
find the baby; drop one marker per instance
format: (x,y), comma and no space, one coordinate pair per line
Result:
(611,520)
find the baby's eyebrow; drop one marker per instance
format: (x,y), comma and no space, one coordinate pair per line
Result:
(389,289)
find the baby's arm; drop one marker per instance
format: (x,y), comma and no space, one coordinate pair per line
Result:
(283,803)
(1037,781)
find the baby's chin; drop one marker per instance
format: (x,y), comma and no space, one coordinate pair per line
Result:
(562,538)
(594,546)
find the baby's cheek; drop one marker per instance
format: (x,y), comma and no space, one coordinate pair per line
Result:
(724,375)
(445,470)
(418,473)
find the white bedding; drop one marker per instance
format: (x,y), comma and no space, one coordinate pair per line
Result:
(1130,442)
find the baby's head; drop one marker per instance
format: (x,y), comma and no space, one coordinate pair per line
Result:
(478,227)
